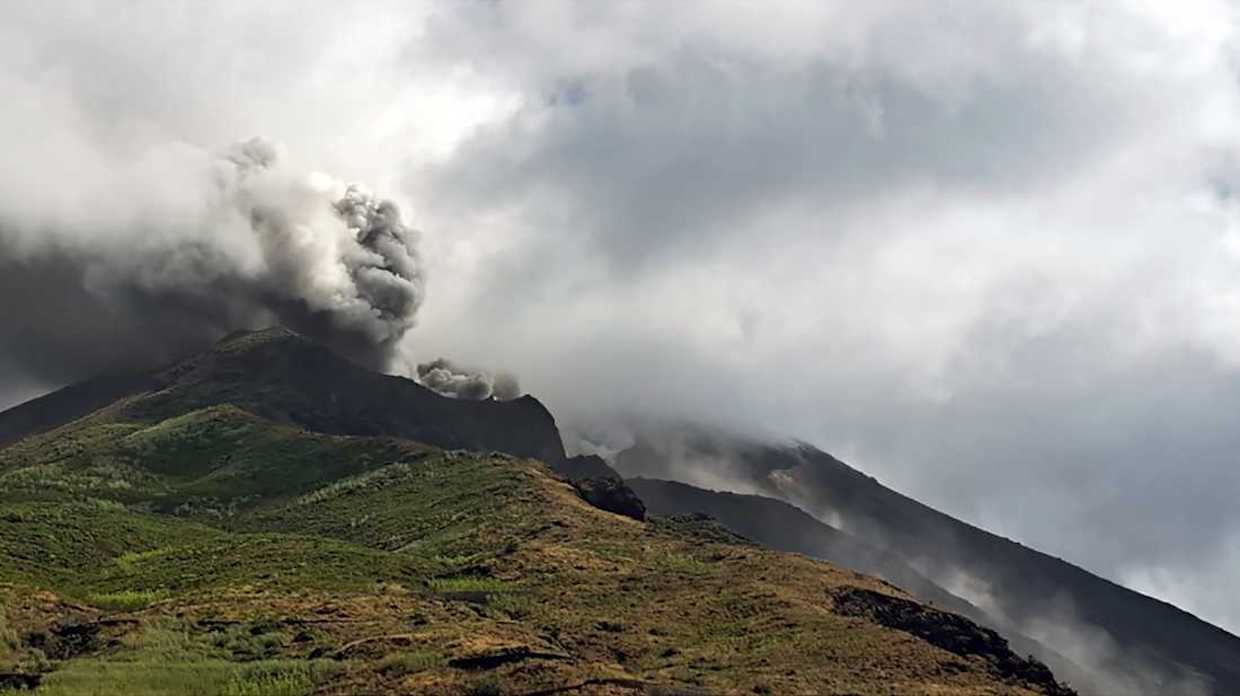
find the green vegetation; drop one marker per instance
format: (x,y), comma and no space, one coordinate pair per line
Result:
(164,660)
(206,677)
(469,585)
(127,600)
(485,686)
(212,552)
(206,464)
(402,664)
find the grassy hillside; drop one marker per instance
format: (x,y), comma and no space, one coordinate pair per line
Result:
(216,552)
(1106,629)
(778,525)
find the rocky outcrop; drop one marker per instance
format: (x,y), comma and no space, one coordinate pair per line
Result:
(955,634)
(612,495)
(19,681)
(599,484)
(585,466)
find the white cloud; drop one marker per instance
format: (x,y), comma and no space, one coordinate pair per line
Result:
(987,248)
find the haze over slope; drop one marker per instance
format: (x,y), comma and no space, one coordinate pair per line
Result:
(779,525)
(285,378)
(209,534)
(1103,628)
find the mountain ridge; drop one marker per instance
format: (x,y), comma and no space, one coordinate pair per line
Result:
(287,378)
(779,525)
(175,537)
(1186,655)
(284,376)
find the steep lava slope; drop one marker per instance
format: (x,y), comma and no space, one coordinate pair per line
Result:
(219,533)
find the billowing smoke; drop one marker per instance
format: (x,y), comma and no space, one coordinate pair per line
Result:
(450,379)
(168,253)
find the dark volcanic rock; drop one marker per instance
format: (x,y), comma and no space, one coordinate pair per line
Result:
(69,639)
(285,377)
(611,494)
(955,634)
(502,656)
(18,681)
(600,485)
(585,466)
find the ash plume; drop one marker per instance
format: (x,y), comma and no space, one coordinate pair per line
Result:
(164,255)
(459,382)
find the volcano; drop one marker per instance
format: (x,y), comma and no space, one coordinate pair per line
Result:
(269,517)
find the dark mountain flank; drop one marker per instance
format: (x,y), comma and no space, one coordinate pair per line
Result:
(1127,642)
(268,518)
(287,378)
(68,404)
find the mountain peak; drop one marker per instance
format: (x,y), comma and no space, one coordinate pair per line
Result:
(281,375)
(246,338)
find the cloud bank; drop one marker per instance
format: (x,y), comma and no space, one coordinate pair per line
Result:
(184,245)
(989,253)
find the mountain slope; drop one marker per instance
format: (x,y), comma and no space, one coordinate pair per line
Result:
(178,541)
(783,527)
(1130,643)
(68,404)
(288,378)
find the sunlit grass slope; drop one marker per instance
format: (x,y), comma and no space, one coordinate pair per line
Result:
(215,552)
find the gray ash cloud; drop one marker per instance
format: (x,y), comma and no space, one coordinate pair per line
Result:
(186,246)
(450,379)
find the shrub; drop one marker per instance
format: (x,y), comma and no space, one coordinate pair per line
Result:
(400,664)
(518,606)
(34,660)
(241,643)
(468,584)
(8,637)
(127,600)
(279,678)
(486,686)
(270,685)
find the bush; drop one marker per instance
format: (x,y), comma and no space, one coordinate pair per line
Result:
(400,664)
(128,600)
(8,637)
(34,661)
(486,686)
(468,584)
(517,606)
(270,685)
(242,643)
(203,677)
(279,678)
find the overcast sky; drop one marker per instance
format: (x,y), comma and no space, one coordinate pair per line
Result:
(988,252)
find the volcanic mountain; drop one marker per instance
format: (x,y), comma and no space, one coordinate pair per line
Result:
(268,518)
(1106,639)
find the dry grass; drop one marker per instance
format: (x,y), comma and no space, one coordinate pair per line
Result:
(414,573)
